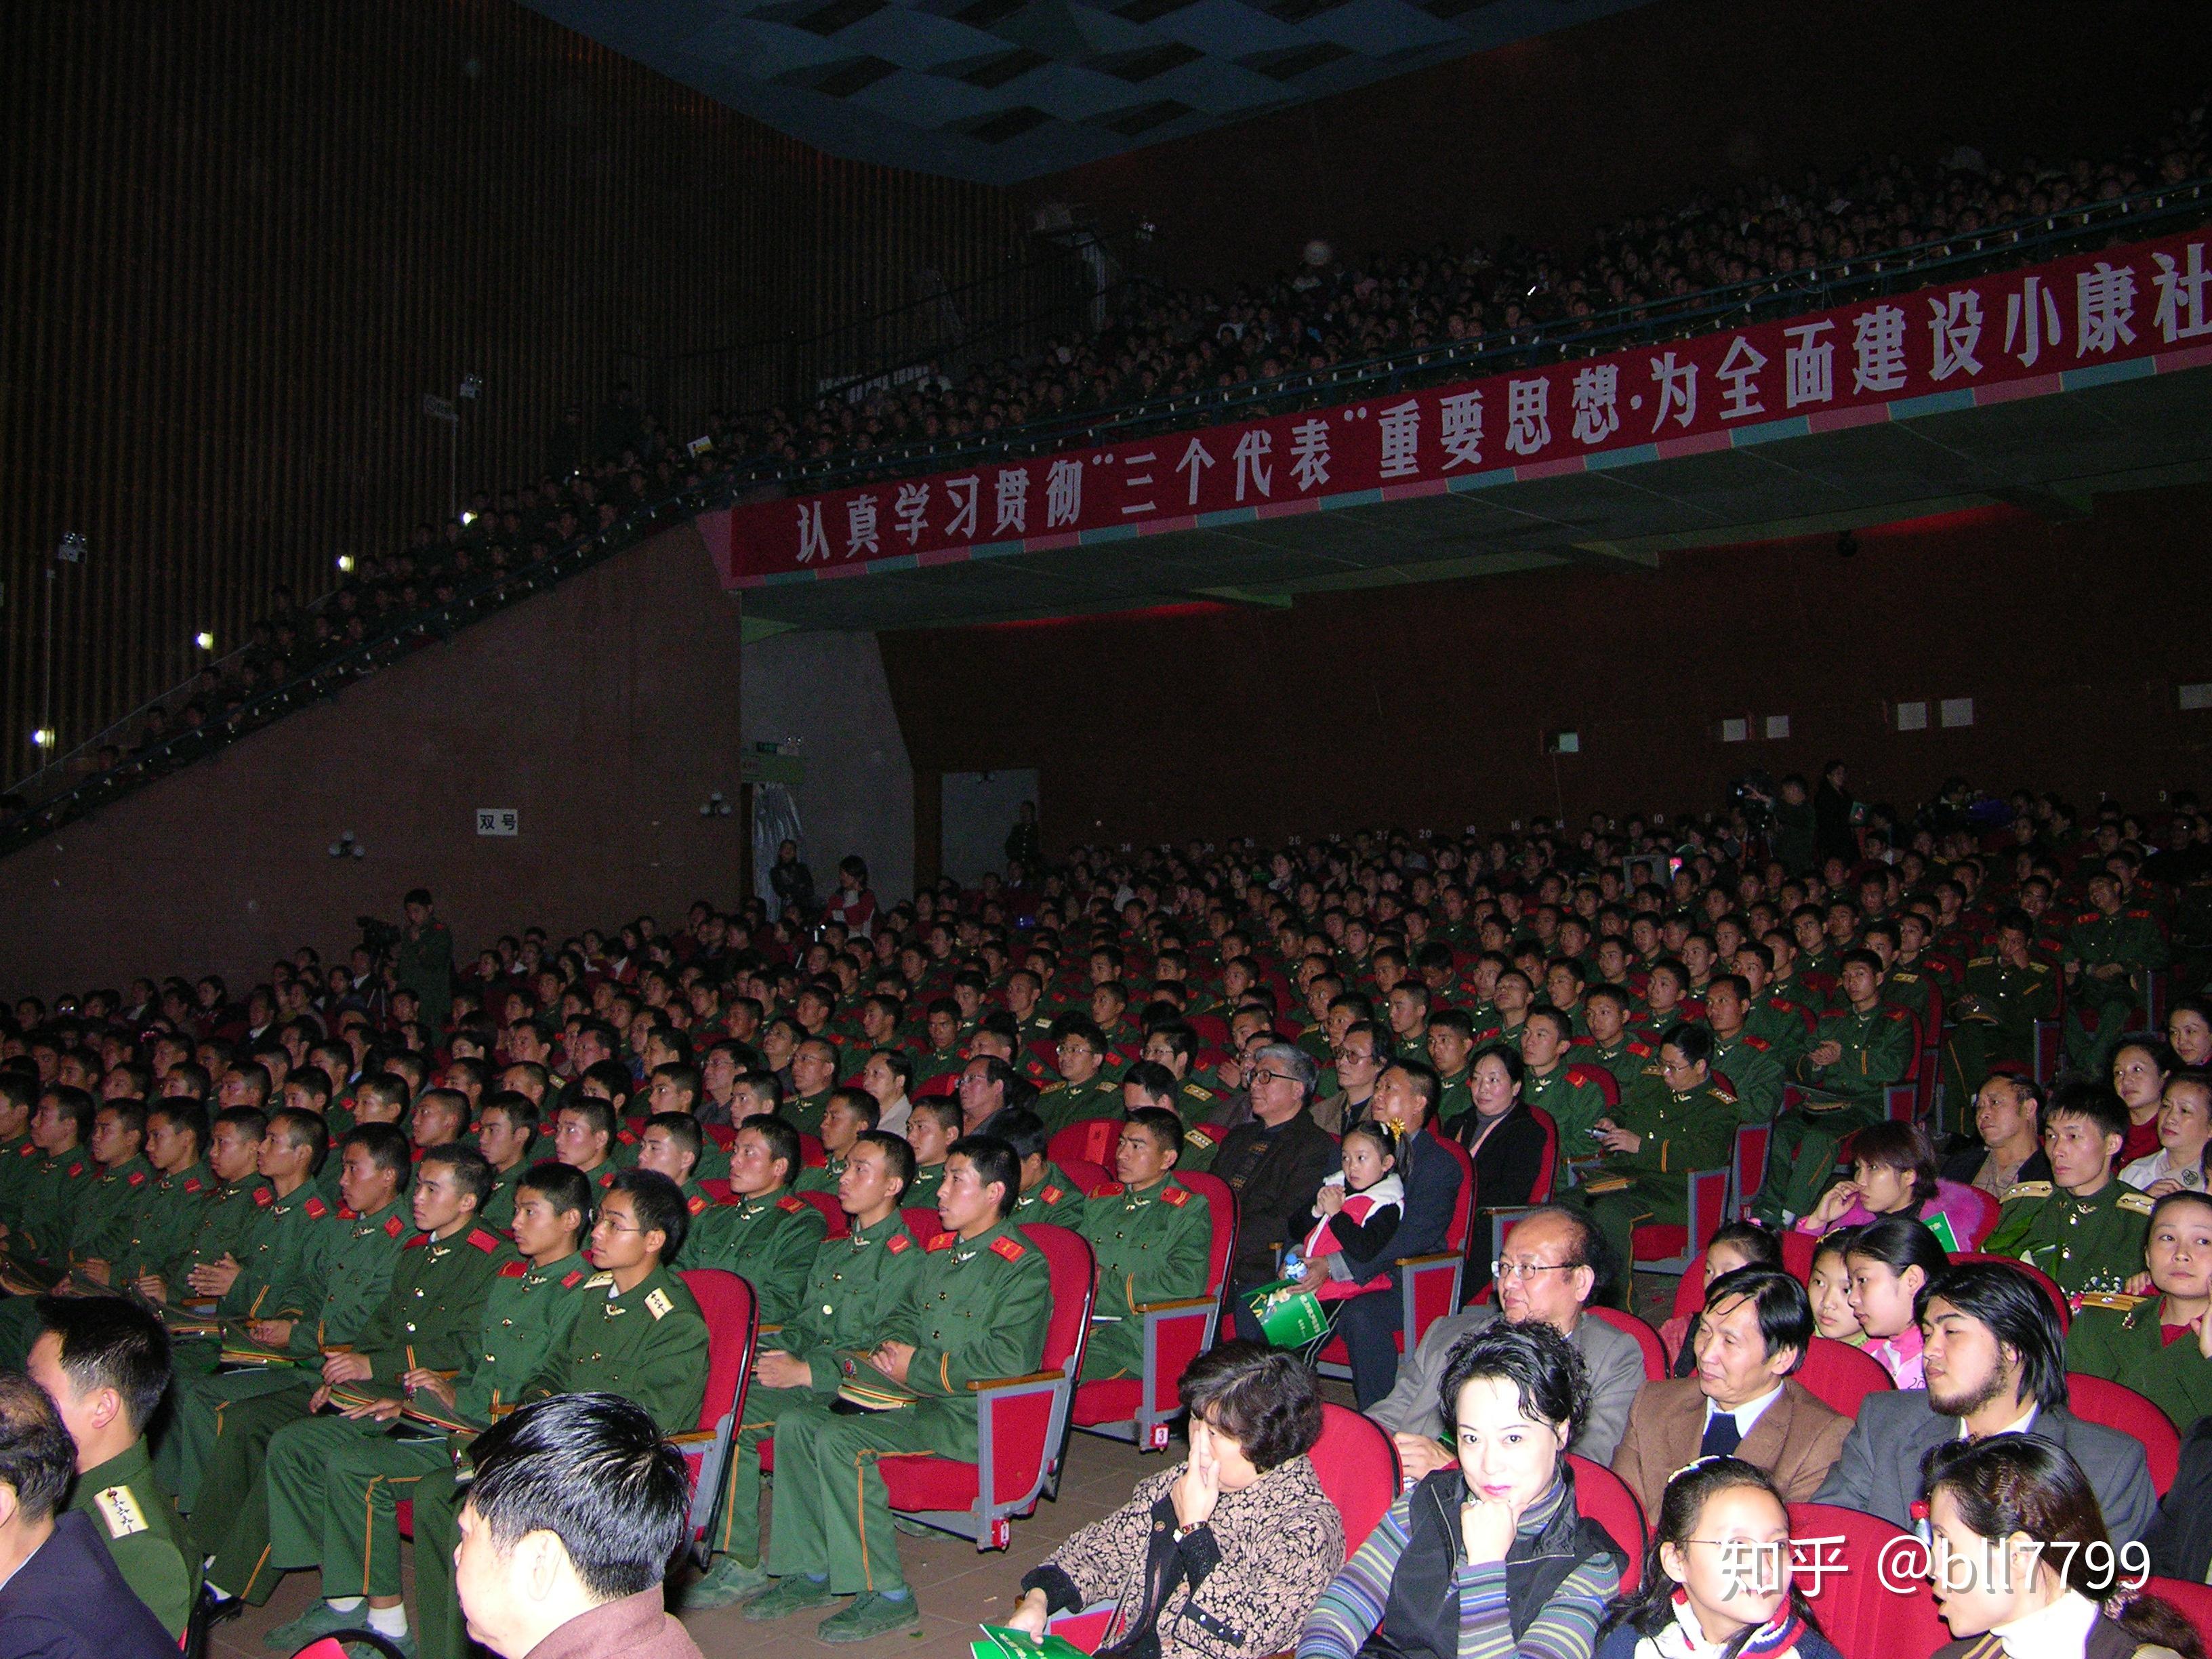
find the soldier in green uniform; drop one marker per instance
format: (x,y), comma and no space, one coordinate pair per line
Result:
(1993,1022)
(37,1232)
(1610,1042)
(261,1291)
(1173,1044)
(1151,1238)
(1671,1122)
(941,1030)
(428,1319)
(813,1074)
(1451,1051)
(930,1130)
(1570,1092)
(2160,1345)
(105,1362)
(978,1311)
(1084,1090)
(168,1216)
(101,1230)
(1407,1013)
(856,1287)
(1859,1051)
(227,1214)
(763,1231)
(638,1333)
(2112,950)
(19,1096)
(1744,1060)
(2083,1227)
(507,1131)
(334,1482)
(1776,1020)
(1049,1192)
(850,1114)
(345,1274)
(584,1138)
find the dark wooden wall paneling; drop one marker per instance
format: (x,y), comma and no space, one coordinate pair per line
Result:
(242,240)
(1428,707)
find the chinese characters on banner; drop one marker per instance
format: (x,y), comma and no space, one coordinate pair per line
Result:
(2008,330)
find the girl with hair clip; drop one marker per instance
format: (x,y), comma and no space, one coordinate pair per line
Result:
(1717,1578)
(1359,1208)
(2022,1566)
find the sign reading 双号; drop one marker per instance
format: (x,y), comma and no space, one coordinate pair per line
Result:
(498,821)
(2118,312)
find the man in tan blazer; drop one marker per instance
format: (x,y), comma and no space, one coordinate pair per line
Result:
(1741,1402)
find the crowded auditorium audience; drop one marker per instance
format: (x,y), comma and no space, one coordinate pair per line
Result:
(268,1247)
(1763,241)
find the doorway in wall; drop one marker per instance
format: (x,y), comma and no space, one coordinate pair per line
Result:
(979,808)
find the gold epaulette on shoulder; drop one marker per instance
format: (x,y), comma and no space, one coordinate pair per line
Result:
(2111,1300)
(2026,1189)
(2138,1203)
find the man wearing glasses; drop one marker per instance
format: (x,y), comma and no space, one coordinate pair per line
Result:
(1554,1263)
(1275,1164)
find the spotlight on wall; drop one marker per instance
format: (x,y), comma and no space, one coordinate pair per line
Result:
(468,517)
(716,806)
(346,847)
(205,640)
(346,563)
(43,737)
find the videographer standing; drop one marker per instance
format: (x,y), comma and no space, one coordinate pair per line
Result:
(425,964)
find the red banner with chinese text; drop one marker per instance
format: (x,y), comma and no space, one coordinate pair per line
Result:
(2014,334)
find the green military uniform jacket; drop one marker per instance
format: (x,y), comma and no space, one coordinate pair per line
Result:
(529,1313)
(47,1205)
(1625,1060)
(648,1345)
(2094,1243)
(854,1288)
(978,1311)
(1877,1052)
(1682,1132)
(824,1179)
(1055,1199)
(804,1112)
(2120,1337)
(136,1520)
(16,1159)
(1456,1097)
(498,1210)
(1060,1104)
(1575,1099)
(922,1196)
(768,1239)
(270,1286)
(430,1316)
(1748,1065)
(1779,1023)
(224,1226)
(1152,1244)
(2130,937)
(2008,1000)
(100,1228)
(342,1275)
(164,1226)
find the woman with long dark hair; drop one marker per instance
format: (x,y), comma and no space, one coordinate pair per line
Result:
(2023,1567)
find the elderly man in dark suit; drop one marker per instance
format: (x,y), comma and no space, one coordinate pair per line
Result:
(1741,1401)
(1996,1365)
(1555,1261)
(1275,1164)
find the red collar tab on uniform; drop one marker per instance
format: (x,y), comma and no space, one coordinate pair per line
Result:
(192,1185)
(573,1280)
(138,1178)
(1052,1194)
(74,1171)
(264,1196)
(1111,1189)
(318,1209)
(897,1243)
(1178,1196)
(792,1203)
(514,1269)
(487,1242)
(393,1226)
(1005,1247)
(941,1242)
(698,1203)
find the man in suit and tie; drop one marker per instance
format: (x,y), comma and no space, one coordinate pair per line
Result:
(1996,1365)
(1741,1401)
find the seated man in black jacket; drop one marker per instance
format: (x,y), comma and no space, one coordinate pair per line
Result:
(1275,1165)
(1406,1096)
